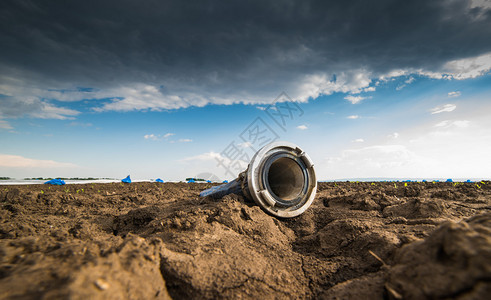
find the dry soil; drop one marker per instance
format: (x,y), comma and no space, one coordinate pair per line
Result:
(160,241)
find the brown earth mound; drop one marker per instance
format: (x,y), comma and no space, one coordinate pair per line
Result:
(151,240)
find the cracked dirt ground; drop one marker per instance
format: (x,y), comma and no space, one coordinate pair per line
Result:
(157,241)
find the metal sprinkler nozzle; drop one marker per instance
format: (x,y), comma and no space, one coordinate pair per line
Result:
(280,178)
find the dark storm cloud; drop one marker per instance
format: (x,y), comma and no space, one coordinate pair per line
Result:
(221,48)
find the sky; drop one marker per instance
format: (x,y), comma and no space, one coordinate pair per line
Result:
(175,89)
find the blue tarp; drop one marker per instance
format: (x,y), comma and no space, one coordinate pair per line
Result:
(55,182)
(449,180)
(225,181)
(127,179)
(191,180)
(158,180)
(209,181)
(468,180)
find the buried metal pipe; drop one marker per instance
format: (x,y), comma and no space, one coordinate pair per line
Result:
(280,178)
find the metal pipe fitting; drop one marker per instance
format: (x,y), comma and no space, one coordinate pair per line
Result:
(280,178)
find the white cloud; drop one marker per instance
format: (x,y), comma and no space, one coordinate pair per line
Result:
(371,161)
(443,108)
(24,98)
(394,135)
(15,107)
(20,98)
(20,89)
(152,137)
(148,97)
(141,96)
(456,148)
(353,117)
(315,85)
(79,124)
(49,111)
(442,123)
(481,3)
(454,94)
(461,123)
(185,140)
(457,151)
(456,123)
(406,82)
(16,161)
(302,127)
(358,141)
(460,69)
(5,125)
(355,99)
(391,75)
(471,67)
(158,137)
(245,144)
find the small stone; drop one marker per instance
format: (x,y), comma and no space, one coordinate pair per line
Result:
(101,284)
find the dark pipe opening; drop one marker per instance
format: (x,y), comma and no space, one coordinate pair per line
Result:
(286,179)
